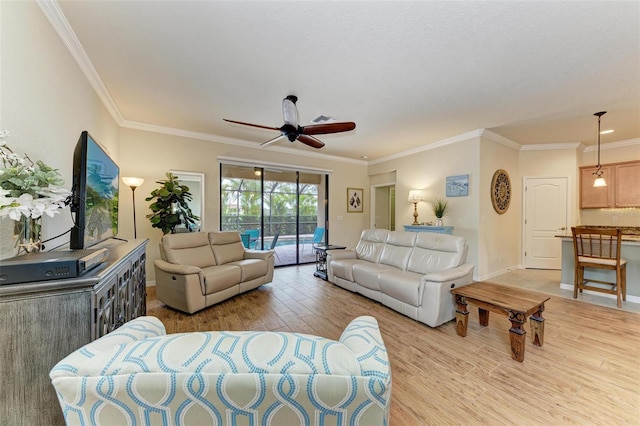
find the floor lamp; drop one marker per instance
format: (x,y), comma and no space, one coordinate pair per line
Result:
(133,183)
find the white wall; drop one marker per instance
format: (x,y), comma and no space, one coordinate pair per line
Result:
(499,235)
(45,102)
(427,170)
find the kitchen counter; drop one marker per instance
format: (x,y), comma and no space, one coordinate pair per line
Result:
(629,233)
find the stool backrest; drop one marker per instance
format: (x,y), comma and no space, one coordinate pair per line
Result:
(594,243)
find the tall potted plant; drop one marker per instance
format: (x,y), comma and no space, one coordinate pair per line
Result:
(170,206)
(440,208)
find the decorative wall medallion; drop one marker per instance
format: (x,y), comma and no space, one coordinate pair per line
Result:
(501,191)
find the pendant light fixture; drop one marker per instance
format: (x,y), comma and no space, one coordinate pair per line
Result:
(599,181)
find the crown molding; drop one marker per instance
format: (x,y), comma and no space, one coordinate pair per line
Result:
(552,146)
(450,141)
(612,145)
(232,141)
(52,11)
(488,134)
(54,14)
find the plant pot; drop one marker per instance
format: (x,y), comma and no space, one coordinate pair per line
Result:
(439,222)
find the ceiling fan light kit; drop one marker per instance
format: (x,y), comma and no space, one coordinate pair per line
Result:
(292,130)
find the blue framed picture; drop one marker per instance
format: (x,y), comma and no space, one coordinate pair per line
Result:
(458,186)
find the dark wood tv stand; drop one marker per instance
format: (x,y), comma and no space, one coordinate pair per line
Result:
(44,321)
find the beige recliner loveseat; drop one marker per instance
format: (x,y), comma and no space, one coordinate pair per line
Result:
(199,269)
(412,273)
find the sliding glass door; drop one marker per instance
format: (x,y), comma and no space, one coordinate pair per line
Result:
(274,209)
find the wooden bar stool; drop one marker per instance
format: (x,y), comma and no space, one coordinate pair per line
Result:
(599,248)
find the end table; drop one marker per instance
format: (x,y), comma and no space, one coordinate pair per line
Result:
(321,259)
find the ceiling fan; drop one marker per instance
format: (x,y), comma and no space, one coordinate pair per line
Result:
(293,131)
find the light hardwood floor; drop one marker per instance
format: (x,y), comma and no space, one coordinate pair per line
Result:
(586,373)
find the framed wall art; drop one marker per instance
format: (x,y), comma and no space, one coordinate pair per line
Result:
(355,202)
(458,186)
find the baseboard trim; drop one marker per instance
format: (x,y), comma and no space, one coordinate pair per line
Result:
(496,273)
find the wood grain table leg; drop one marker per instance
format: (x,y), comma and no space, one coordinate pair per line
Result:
(517,335)
(537,326)
(483,317)
(462,316)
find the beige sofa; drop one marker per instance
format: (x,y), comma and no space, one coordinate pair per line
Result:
(409,272)
(199,269)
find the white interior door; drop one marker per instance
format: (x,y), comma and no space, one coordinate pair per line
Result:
(545,217)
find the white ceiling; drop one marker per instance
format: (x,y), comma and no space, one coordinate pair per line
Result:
(408,73)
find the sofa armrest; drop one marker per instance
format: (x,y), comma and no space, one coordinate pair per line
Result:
(362,336)
(258,254)
(341,254)
(135,330)
(172,268)
(449,274)
(436,301)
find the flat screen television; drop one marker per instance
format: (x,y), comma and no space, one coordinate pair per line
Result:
(95,194)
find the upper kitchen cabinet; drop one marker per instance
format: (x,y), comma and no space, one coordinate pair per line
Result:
(596,198)
(627,190)
(622,190)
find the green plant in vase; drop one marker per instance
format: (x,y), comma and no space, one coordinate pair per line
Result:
(170,207)
(440,208)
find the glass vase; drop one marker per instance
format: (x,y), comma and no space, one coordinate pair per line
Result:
(29,235)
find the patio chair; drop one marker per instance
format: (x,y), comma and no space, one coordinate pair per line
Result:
(246,240)
(254,235)
(318,238)
(273,245)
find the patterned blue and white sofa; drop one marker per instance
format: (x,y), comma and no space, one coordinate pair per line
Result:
(138,375)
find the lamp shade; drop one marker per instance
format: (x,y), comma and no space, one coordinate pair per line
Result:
(415,195)
(598,182)
(132,182)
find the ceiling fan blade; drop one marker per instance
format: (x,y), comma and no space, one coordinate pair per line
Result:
(323,129)
(311,141)
(290,111)
(270,141)
(252,125)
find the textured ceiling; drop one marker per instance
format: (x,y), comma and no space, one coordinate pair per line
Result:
(408,73)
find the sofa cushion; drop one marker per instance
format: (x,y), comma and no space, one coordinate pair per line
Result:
(371,243)
(221,277)
(366,274)
(251,268)
(226,246)
(402,285)
(343,268)
(189,248)
(436,252)
(397,249)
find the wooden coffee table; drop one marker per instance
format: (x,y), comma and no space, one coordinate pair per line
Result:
(513,302)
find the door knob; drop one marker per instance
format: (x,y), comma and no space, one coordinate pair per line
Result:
(563,228)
